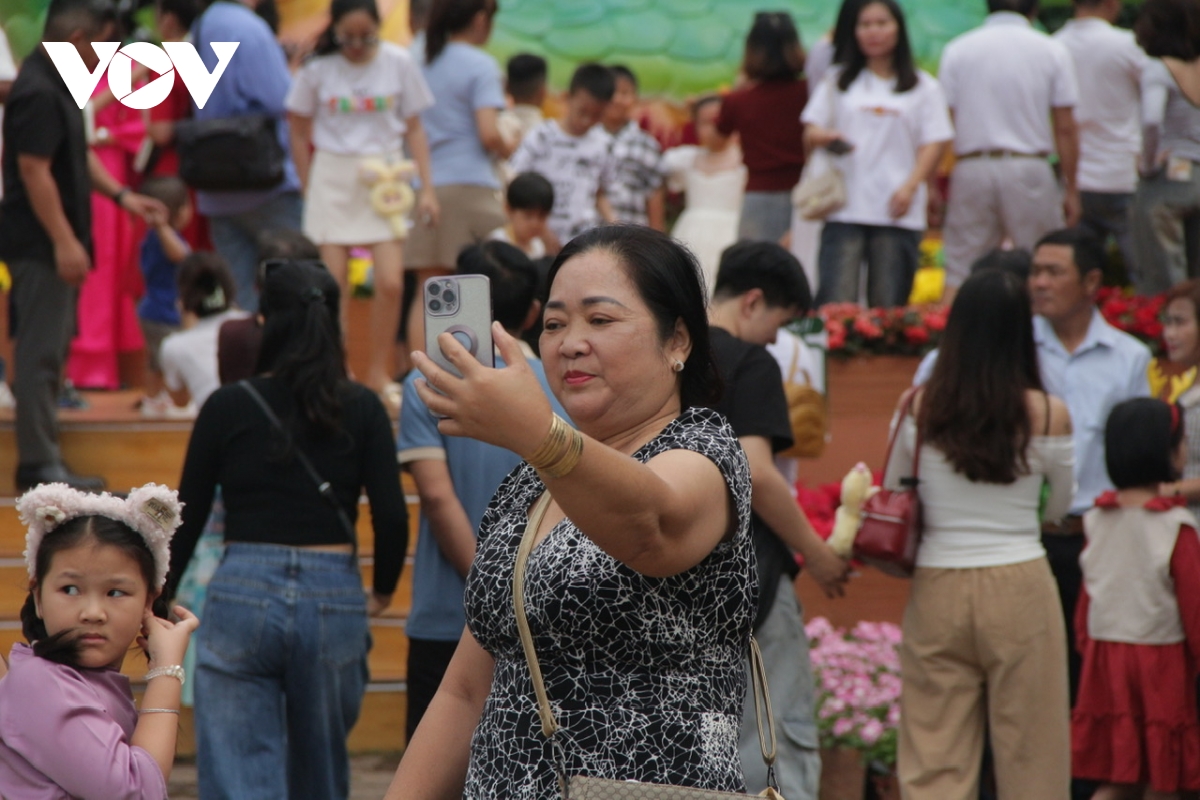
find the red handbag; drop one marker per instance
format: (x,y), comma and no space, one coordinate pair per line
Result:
(891,518)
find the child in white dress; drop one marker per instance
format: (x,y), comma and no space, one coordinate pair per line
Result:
(713,177)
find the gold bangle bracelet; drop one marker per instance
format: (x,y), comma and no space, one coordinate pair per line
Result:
(560,451)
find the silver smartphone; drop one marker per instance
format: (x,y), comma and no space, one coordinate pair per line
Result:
(460,305)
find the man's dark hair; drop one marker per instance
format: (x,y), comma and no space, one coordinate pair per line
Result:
(526,77)
(64,17)
(168,189)
(595,79)
(1086,249)
(185,11)
(1140,436)
(766,266)
(1169,29)
(1018,261)
(530,191)
(621,71)
(513,278)
(1025,8)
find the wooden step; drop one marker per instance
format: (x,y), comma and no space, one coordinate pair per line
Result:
(388,660)
(380,725)
(12,532)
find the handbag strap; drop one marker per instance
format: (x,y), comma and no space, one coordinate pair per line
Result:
(324,488)
(906,402)
(550,727)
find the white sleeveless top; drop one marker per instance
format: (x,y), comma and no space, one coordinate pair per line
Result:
(968,525)
(1127,573)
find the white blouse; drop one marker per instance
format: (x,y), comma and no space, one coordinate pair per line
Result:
(969,525)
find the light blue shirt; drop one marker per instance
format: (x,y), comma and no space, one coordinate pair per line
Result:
(476,470)
(463,79)
(1107,368)
(256,81)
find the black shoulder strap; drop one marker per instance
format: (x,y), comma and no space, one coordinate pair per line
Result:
(323,486)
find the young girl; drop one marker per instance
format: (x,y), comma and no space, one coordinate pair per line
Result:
(713,178)
(353,102)
(189,357)
(1135,725)
(68,725)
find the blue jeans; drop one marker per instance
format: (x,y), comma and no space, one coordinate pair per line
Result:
(891,253)
(235,237)
(766,216)
(281,671)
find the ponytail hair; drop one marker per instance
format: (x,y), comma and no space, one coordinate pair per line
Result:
(302,339)
(327,42)
(448,17)
(205,284)
(63,647)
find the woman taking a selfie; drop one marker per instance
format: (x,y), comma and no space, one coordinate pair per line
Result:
(640,589)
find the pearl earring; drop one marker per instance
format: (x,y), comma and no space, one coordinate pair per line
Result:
(677,366)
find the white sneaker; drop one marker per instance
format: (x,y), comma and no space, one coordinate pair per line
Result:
(6,396)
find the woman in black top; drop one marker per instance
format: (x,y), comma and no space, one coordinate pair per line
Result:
(282,660)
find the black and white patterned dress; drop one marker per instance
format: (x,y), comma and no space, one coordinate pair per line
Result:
(646,675)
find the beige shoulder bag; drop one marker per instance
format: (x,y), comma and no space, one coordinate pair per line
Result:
(584,788)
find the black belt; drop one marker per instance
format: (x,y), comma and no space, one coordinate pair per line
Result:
(1000,154)
(1070,525)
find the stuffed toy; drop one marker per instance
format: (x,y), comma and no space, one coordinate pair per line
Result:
(391,196)
(856,488)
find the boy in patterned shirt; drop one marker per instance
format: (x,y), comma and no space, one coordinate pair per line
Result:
(573,155)
(637,193)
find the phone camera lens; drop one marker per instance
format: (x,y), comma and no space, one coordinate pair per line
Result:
(448,296)
(435,289)
(435,305)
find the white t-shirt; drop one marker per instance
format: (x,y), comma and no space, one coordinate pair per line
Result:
(886,128)
(576,166)
(1001,80)
(360,109)
(189,358)
(537,248)
(1108,66)
(8,71)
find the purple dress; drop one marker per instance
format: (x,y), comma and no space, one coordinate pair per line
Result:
(64,732)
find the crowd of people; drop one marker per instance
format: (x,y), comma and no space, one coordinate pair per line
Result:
(605,515)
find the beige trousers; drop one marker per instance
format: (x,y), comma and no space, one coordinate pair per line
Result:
(984,647)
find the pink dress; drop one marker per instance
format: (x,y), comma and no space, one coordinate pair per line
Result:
(107,316)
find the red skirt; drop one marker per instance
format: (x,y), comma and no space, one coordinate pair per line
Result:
(1135,720)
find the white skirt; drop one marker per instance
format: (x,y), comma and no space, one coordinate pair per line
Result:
(337,206)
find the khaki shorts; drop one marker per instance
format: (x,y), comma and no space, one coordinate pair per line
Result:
(468,215)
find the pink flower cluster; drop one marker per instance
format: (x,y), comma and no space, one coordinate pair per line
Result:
(858,687)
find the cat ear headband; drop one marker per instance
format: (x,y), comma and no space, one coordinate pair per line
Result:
(151,510)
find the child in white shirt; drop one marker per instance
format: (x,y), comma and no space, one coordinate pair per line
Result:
(528,203)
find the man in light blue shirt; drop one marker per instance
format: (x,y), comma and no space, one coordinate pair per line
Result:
(456,478)
(255,82)
(1092,366)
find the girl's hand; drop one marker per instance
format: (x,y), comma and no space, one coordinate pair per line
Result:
(901,201)
(165,642)
(428,210)
(505,407)
(377,603)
